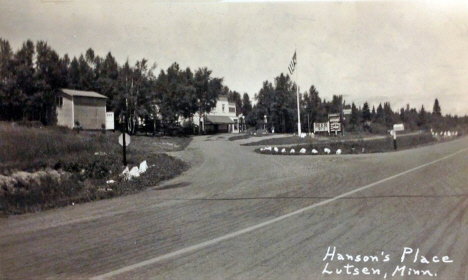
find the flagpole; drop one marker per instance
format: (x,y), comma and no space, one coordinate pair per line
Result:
(299,132)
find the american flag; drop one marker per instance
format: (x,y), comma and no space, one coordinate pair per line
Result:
(292,64)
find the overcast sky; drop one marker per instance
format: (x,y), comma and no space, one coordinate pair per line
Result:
(402,52)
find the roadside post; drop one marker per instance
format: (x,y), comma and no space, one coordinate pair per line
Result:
(124,140)
(396,127)
(345,112)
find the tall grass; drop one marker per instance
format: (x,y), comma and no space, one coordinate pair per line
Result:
(25,148)
(74,167)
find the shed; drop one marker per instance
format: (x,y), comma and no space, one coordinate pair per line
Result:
(86,107)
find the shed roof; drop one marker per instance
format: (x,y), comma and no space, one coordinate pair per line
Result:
(73,92)
(219,120)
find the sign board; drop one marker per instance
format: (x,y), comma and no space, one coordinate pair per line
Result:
(335,126)
(110,120)
(346,111)
(398,127)
(320,127)
(334,120)
(127,139)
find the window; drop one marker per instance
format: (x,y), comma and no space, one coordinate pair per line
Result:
(223,108)
(232,109)
(59,101)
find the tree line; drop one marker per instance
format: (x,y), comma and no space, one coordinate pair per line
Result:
(30,77)
(277,102)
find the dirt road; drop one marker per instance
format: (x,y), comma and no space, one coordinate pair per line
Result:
(241,215)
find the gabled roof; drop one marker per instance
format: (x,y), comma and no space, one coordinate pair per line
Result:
(73,92)
(219,119)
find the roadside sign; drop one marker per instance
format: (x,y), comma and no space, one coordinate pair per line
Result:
(320,127)
(127,139)
(346,111)
(110,120)
(335,122)
(335,126)
(398,127)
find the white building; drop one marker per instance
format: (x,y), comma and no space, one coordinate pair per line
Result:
(88,108)
(221,119)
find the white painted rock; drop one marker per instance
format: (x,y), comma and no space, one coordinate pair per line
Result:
(110,181)
(143,167)
(275,149)
(303,135)
(134,172)
(126,171)
(302,151)
(262,149)
(327,151)
(449,134)
(338,152)
(268,149)
(292,151)
(314,151)
(283,150)
(126,174)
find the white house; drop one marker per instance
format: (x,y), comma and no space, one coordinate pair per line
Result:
(221,119)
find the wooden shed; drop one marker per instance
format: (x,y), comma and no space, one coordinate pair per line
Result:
(88,108)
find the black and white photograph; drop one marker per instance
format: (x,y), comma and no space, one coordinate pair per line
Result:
(233,139)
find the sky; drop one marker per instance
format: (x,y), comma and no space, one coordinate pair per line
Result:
(377,51)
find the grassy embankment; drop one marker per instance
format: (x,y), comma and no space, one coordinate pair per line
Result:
(43,168)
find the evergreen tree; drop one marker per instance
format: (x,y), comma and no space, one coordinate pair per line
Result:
(436,109)
(246,105)
(8,100)
(380,117)
(366,114)
(354,120)
(422,117)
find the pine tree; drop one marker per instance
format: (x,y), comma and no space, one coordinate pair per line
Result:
(436,109)
(246,105)
(354,116)
(366,114)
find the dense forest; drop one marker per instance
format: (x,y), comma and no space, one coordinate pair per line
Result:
(30,76)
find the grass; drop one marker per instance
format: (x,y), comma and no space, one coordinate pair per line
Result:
(64,167)
(378,145)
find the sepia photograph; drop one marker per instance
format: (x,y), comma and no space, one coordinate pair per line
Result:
(234,139)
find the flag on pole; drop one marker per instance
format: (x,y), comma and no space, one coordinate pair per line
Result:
(292,64)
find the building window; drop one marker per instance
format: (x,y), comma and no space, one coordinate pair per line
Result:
(59,101)
(232,109)
(223,108)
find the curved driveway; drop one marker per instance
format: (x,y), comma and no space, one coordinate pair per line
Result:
(225,219)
